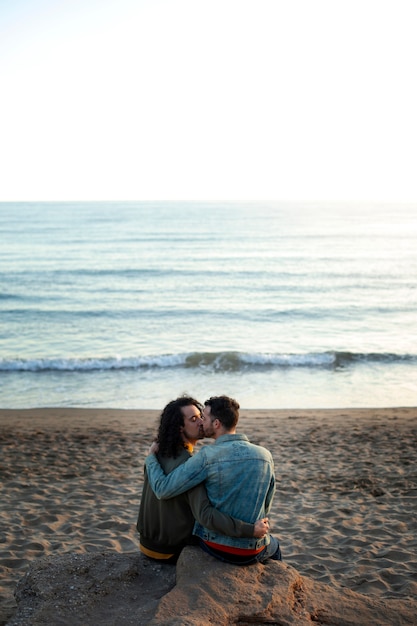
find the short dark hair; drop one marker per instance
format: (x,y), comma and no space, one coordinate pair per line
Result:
(169,432)
(225,409)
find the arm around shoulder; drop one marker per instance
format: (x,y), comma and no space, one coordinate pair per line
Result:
(181,479)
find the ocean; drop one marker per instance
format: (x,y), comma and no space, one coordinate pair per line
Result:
(130,304)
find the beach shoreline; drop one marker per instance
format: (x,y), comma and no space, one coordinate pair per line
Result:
(344,511)
(133,419)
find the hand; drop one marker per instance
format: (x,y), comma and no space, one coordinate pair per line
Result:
(154,448)
(261,528)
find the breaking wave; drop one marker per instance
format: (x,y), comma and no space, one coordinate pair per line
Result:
(215,361)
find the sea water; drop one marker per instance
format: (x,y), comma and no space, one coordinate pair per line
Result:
(127,305)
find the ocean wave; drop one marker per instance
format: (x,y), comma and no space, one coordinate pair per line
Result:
(214,361)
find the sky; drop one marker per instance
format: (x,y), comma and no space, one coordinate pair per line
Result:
(294,100)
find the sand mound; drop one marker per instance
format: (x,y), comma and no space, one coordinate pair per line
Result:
(112,589)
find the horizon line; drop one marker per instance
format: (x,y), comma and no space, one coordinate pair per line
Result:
(215,200)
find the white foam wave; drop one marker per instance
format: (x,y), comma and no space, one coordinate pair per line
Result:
(90,364)
(290,360)
(218,361)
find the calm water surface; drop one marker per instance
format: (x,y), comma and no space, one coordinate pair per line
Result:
(282,306)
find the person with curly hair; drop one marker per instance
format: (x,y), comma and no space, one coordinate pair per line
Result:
(166,526)
(239,478)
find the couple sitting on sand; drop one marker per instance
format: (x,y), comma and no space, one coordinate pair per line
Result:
(203,499)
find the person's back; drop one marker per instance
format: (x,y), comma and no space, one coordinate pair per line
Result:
(164,526)
(239,481)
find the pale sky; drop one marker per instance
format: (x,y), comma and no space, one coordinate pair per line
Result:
(208,100)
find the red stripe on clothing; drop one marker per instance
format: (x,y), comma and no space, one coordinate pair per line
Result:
(232,549)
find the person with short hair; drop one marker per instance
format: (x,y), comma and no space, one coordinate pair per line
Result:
(239,478)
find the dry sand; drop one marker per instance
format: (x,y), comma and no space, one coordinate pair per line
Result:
(345,510)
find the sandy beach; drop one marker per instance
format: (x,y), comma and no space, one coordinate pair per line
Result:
(345,510)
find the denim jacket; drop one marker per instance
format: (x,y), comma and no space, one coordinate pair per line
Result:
(239,478)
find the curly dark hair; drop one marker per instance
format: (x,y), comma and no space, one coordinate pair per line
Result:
(225,409)
(169,432)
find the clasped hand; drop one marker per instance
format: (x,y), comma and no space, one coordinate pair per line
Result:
(153,448)
(261,528)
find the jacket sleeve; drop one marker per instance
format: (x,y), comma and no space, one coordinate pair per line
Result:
(182,478)
(213,519)
(270,495)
